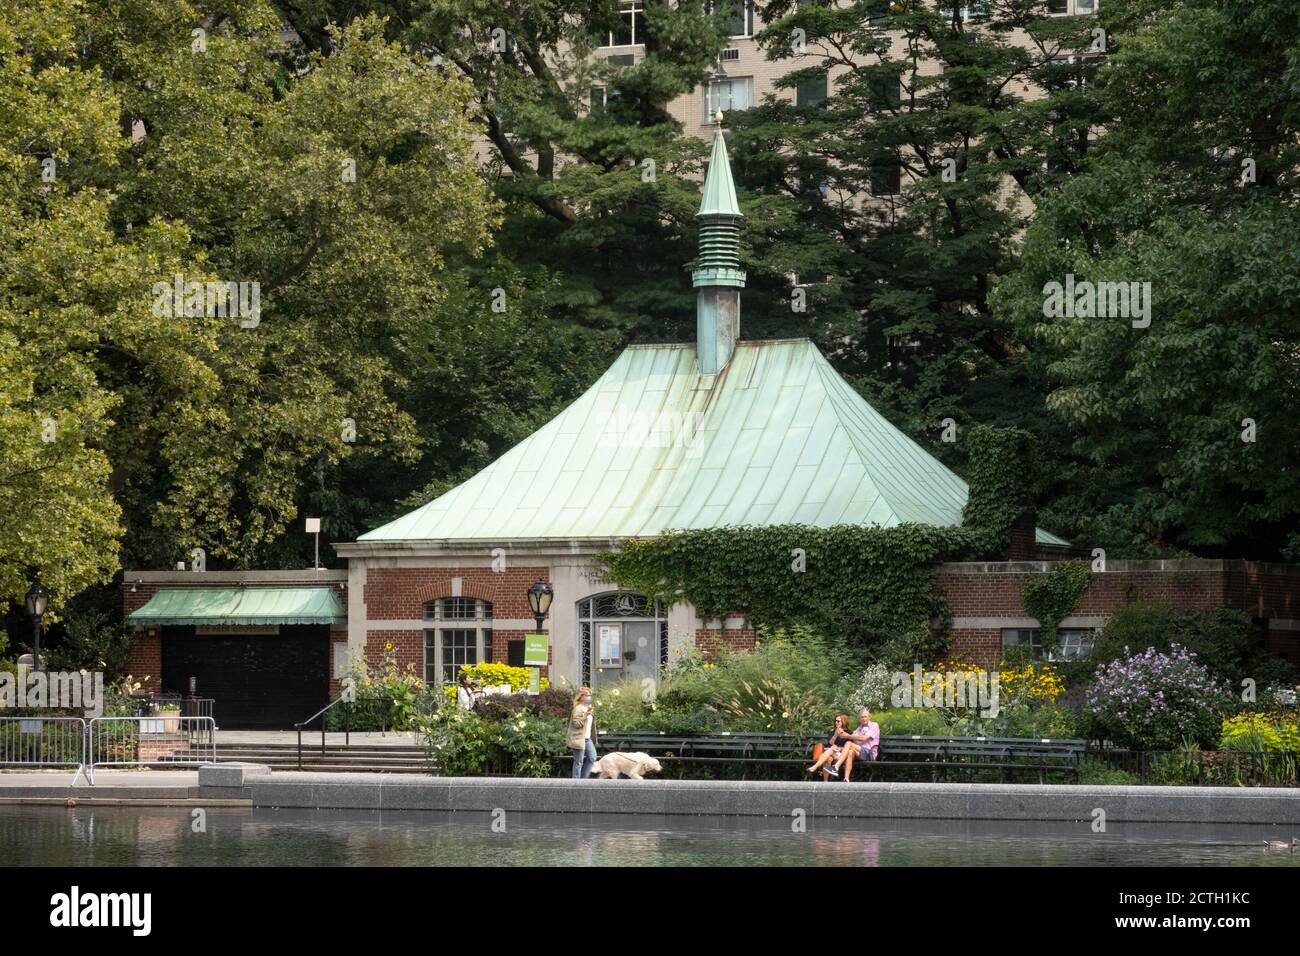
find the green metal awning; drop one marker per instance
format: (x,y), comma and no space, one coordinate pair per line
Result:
(240,606)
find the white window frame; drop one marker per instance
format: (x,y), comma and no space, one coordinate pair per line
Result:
(710,102)
(1070,638)
(435,644)
(637,9)
(747,17)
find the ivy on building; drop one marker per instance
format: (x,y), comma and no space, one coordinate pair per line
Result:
(1050,598)
(872,587)
(1002,474)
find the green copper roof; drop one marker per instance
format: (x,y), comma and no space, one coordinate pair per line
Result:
(719,197)
(240,606)
(776,437)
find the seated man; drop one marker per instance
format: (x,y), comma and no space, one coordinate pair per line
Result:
(861,745)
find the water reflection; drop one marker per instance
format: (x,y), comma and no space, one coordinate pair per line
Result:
(156,836)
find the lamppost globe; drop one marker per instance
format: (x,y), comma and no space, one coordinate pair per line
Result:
(38,599)
(540,596)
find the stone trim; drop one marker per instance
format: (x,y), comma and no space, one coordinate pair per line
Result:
(307,577)
(424,624)
(998,623)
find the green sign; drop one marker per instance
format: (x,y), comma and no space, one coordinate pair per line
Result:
(534,680)
(535,650)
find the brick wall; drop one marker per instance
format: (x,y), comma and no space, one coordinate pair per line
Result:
(993,591)
(711,640)
(400,594)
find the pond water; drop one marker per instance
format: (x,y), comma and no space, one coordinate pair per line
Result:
(159,836)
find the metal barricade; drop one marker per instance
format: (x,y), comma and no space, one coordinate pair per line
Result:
(43,742)
(157,741)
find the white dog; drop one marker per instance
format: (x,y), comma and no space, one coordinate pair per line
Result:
(631,765)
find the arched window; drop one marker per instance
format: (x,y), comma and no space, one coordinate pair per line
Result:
(458,631)
(622,635)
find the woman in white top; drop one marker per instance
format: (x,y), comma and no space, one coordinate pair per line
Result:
(465,693)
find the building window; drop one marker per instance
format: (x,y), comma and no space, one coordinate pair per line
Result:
(1082,7)
(460,632)
(885,179)
(811,92)
(621,636)
(1072,643)
(728,95)
(886,93)
(969,12)
(1058,8)
(877,12)
(629,30)
(740,17)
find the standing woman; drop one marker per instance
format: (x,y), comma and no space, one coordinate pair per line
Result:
(582,734)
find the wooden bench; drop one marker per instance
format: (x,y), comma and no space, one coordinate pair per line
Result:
(941,755)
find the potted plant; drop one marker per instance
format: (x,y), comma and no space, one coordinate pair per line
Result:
(171,714)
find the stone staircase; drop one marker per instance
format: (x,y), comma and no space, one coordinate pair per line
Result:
(338,758)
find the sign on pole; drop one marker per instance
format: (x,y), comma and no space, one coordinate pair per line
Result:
(536,650)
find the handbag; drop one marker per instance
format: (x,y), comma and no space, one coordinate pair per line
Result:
(818,750)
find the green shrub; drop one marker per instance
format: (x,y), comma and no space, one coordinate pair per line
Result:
(621,706)
(1054,721)
(1098,773)
(907,721)
(457,743)
(531,741)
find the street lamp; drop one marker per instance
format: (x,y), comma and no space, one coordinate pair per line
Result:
(38,600)
(539,599)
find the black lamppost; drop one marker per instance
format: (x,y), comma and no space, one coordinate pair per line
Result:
(38,600)
(539,599)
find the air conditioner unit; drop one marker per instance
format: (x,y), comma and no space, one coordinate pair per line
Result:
(731,53)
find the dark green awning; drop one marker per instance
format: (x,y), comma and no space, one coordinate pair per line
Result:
(240,606)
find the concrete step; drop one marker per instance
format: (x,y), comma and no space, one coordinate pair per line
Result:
(337,759)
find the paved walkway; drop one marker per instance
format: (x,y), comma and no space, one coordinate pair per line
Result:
(228,738)
(42,779)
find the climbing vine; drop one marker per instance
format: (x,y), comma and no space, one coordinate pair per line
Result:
(870,586)
(1051,597)
(1002,476)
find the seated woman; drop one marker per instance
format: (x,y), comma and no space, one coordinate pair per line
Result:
(833,749)
(863,745)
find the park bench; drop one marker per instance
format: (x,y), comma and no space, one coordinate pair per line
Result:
(943,756)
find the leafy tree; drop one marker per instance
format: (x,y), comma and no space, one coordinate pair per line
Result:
(599,187)
(1184,427)
(912,156)
(145,139)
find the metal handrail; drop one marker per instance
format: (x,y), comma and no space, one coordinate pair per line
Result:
(347,730)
